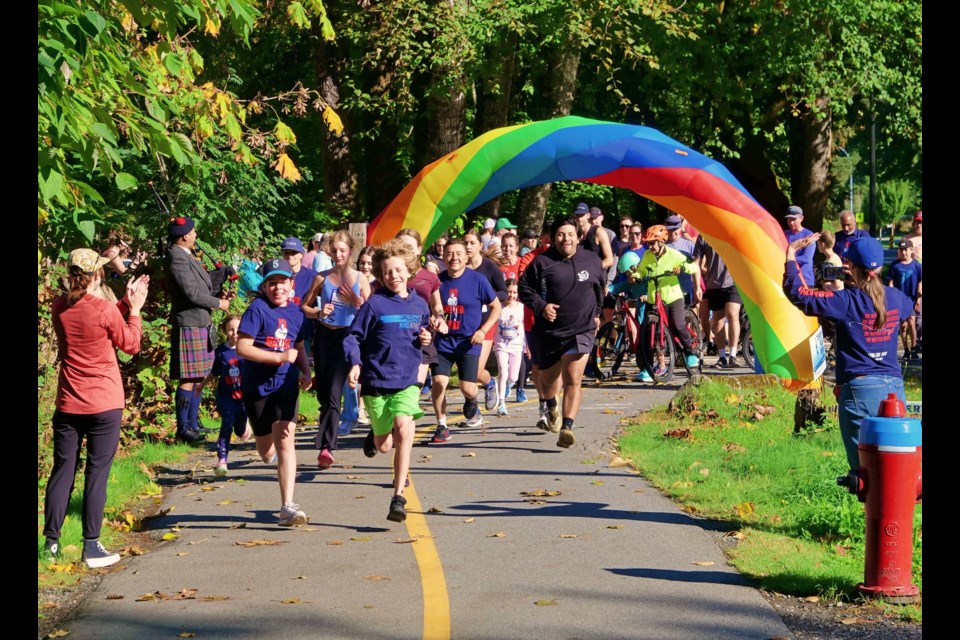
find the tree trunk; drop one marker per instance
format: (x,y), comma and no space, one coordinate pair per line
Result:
(339,173)
(812,191)
(493,103)
(558,93)
(755,172)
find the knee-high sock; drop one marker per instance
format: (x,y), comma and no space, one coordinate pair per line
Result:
(194,416)
(183,400)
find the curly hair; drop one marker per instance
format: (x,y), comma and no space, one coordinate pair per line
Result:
(394,249)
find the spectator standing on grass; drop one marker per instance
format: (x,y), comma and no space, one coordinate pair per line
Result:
(90,397)
(867,316)
(848,232)
(906,275)
(191,336)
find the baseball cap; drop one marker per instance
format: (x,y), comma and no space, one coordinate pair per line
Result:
(530,233)
(489,223)
(672,223)
(292,244)
(581,209)
(865,252)
(595,213)
(276,266)
(918,216)
(504,223)
(904,244)
(317,237)
(793,212)
(87,260)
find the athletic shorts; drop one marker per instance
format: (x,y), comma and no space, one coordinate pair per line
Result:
(550,350)
(717,299)
(263,411)
(468,365)
(429,354)
(382,409)
(531,341)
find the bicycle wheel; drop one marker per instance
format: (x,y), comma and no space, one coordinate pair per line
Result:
(692,320)
(746,348)
(656,351)
(609,349)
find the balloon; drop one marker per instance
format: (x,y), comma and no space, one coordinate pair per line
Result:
(641,159)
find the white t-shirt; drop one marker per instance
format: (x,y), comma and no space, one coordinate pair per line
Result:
(509,334)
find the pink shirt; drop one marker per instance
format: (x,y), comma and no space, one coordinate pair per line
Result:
(88,335)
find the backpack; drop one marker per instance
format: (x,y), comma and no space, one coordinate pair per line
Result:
(250,279)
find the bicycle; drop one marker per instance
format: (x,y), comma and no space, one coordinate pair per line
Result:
(659,347)
(615,339)
(746,340)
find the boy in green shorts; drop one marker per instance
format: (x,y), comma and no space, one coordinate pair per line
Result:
(383,349)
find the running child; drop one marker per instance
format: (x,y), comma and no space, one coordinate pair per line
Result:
(509,344)
(233,415)
(383,349)
(906,274)
(270,340)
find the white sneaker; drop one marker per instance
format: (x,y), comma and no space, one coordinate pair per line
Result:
(543,423)
(96,557)
(475,421)
(491,396)
(290,515)
(502,409)
(221,469)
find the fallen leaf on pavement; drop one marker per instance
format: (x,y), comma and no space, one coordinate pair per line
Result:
(434,510)
(469,520)
(704,563)
(186,594)
(59,633)
(535,501)
(426,458)
(360,539)
(498,534)
(214,598)
(539,493)
(209,487)
(186,634)
(614,526)
(406,540)
(132,550)
(169,536)
(259,543)
(545,603)
(291,601)
(354,477)
(334,542)
(735,534)
(617,461)
(198,541)
(568,535)
(183,553)
(375,578)
(611,411)
(469,454)
(597,482)
(114,596)
(224,503)
(239,525)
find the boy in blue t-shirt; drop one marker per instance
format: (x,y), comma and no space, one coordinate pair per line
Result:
(383,349)
(270,340)
(233,415)
(906,274)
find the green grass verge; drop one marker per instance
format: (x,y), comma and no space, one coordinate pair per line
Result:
(722,459)
(130,480)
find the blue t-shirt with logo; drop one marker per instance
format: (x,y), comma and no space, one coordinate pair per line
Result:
(906,277)
(275,329)
(463,298)
(226,366)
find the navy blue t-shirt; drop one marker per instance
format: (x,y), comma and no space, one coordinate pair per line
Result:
(906,277)
(274,329)
(226,366)
(463,298)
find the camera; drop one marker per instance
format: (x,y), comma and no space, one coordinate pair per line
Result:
(833,272)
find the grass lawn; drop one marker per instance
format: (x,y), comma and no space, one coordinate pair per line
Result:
(731,455)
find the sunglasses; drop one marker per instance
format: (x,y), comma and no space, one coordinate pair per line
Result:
(625,226)
(636,233)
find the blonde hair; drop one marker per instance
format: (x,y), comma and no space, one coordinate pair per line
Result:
(412,233)
(344,237)
(394,249)
(828,239)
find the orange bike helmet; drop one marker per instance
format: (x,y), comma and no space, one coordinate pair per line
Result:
(656,232)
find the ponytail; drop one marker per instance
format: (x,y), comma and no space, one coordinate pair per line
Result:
(78,281)
(874,288)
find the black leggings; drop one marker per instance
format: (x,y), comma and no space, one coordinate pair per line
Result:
(331,368)
(678,323)
(102,431)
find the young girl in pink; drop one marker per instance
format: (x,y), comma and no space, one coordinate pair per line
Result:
(509,344)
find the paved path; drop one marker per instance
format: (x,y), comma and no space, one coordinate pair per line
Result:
(606,557)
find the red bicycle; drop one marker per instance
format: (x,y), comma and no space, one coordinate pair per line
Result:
(659,347)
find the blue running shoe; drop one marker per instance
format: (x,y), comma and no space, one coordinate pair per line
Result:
(521,395)
(692,361)
(643,376)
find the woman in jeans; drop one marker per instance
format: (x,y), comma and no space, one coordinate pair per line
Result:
(89,397)
(867,315)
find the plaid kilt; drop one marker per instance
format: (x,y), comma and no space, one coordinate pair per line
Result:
(191,352)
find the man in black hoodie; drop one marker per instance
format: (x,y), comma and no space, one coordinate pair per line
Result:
(564,287)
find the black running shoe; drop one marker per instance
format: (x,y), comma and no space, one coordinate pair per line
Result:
(397,511)
(369,448)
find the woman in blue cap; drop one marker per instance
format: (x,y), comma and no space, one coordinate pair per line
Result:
(868,316)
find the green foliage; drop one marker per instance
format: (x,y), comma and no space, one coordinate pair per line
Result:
(896,199)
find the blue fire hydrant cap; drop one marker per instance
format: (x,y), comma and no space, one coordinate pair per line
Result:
(891,432)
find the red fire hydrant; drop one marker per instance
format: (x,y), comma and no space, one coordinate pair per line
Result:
(889,481)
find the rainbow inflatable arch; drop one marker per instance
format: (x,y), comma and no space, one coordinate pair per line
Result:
(647,162)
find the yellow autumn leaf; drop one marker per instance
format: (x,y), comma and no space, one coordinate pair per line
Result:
(59,633)
(212,26)
(186,634)
(221,105)
(290,601)
(704,563)
(732,399)
(545,603)
(744,509)
(286,168)
(169,536)
(469,520)
(333,120)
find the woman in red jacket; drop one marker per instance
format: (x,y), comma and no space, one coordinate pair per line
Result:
(89,396)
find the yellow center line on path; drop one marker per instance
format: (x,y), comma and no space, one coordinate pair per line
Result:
(436,602)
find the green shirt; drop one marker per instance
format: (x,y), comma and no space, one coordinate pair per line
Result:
(670,289)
